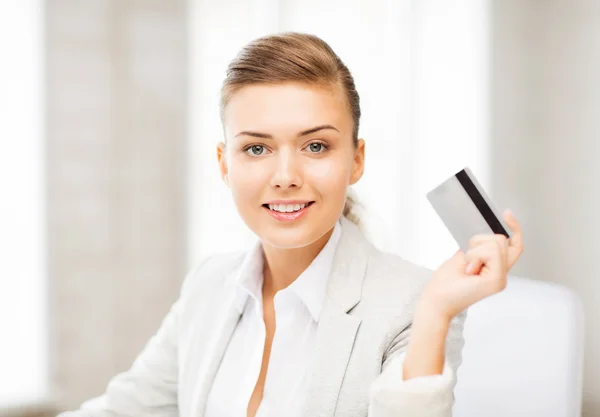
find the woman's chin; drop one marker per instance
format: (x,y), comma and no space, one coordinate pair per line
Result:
(286,240)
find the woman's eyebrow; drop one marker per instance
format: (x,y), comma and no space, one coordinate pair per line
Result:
(304,133)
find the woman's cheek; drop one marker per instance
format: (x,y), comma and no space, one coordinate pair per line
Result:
(330,174)
(248,178)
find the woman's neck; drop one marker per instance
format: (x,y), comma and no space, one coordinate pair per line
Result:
(284,266)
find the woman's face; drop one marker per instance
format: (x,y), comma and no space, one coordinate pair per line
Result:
(289,144)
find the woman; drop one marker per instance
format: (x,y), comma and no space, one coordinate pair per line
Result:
(313,320)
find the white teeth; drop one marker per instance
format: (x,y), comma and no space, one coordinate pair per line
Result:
(286,208)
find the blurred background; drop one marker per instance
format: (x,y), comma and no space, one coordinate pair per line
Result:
(110,186)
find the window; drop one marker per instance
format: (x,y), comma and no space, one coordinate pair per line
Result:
(23,346)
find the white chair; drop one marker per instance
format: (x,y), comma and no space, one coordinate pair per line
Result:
(523,354)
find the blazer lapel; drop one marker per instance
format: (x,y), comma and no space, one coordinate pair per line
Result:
(337,330)
(227,317)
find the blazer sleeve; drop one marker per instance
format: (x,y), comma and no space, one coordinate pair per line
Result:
(150,386)
(431,396)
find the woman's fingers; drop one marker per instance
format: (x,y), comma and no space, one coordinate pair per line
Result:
(491,256)
(501,240)
(481,239)
(515,243)
(487,253)
(474,267)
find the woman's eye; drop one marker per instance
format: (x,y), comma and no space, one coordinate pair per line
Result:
(255,150)
(258,150)
(317,147)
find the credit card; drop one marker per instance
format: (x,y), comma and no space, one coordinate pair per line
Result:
(466,209)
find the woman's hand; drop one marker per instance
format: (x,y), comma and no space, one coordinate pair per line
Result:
(466,278)
(458,283)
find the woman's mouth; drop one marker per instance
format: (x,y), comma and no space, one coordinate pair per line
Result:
(287,212)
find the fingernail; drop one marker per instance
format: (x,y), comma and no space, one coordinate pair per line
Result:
(469,268)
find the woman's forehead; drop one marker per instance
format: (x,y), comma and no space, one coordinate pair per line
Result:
(286,109)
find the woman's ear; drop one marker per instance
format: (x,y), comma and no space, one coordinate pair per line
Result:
(221,158)
(358,166)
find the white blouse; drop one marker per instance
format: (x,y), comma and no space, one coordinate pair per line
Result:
(297,310)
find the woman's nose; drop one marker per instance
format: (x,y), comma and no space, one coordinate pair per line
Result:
(287,171)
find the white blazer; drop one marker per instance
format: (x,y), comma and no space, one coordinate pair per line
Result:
(362,335)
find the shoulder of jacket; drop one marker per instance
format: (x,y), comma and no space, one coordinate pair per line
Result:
(392,283)
(386,265)
(212,272)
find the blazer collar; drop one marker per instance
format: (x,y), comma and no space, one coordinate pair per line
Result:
(337,329)
(349,266)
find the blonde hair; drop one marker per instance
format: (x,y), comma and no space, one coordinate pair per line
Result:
(294,57)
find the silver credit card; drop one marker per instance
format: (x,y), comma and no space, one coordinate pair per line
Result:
(465,208)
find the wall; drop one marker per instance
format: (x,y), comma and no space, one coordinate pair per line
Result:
(116,126)
(545,147)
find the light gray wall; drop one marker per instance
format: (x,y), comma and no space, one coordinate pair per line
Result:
(545,150)
(116,126)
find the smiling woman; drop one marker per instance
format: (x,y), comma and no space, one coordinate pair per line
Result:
(307,152)
(308,95)
(312,319)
